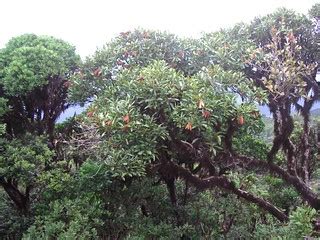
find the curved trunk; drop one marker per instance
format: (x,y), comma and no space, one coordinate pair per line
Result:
(20,200)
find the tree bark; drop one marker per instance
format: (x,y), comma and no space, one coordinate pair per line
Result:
(20,200)
(301,187)
(225,184)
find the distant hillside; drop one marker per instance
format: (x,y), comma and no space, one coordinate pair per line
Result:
(315,112)
(71,111)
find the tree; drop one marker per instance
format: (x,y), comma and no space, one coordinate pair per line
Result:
(265,64)
(190,125)
(34,73)
(170,145)
(285,66)
(22,161)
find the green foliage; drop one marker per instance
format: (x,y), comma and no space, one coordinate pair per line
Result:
(28,61)
(3,106)
(3,110)
(251,146)
(229,47)
(167,117)
(315,11)
(56,181)
(132,49)
(34,73)
(67,219)
(24,159)
(130,136)
(301,221)
(299,227)
(285,73)
(12,224)
(285,21)
(135,112)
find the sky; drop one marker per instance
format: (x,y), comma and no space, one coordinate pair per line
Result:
(89,24)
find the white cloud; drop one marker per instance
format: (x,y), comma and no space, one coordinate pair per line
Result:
(89,24)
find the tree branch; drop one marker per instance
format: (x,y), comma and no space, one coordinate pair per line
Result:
(225,184)
(306,193)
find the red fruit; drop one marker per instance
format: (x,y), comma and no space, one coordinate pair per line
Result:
(291,37)
(97,72)
(206,114)
(240,120)
(126,118)
(90,114)
(199,52)
(188,126)
(109,123)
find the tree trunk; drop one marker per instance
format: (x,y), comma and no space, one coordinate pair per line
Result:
(20,200)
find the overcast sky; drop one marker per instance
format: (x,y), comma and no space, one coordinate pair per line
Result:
(89,24)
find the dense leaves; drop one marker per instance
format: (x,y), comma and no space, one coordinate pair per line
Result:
(136,48)
(28,61)
(172,144)
(34,73)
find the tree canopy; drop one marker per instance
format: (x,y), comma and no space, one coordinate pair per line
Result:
(172,144)
(34,73)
